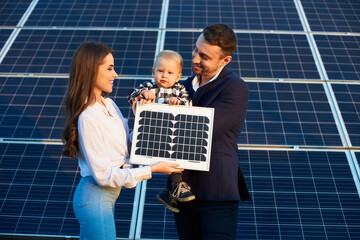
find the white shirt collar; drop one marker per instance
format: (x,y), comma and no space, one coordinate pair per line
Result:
(107,109)
(195,82)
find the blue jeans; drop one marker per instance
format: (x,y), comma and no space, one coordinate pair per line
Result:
(207,220)
(94,209)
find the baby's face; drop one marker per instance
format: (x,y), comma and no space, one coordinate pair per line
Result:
(167,72)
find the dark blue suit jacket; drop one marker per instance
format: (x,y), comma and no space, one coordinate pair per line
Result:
(228,94)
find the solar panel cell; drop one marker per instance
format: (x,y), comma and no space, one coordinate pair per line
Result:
(183,132)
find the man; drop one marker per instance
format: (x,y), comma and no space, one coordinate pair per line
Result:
(214,212)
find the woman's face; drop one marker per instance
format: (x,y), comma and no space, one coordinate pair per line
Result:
(105,77)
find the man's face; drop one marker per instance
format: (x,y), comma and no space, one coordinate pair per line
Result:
(207,59)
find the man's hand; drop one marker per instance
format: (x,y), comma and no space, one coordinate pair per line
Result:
(174,101)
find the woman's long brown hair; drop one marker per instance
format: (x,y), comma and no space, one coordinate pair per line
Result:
(80,91)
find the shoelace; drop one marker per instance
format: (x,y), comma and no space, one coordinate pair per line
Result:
(180,188)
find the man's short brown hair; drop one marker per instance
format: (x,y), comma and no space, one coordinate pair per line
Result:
(221,35)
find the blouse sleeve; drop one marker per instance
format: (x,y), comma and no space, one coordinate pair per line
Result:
(98,158)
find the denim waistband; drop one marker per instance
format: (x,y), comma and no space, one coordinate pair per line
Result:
(90,179)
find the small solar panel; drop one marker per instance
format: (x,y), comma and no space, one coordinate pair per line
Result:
(332,15)
(348,99)
(178,134)
(248,14)
(257,55)
(340,55)
(51,51)
(12,11)
(127,13)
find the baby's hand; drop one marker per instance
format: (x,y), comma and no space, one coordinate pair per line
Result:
(174,101)
(149,97)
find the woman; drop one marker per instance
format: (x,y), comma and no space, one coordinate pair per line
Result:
(98,135)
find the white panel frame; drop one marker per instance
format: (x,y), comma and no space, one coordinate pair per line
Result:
(175,110)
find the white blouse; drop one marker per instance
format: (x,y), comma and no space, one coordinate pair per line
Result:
(103,147)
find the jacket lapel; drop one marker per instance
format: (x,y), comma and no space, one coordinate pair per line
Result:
(201,92)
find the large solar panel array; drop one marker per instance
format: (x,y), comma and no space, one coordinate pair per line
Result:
(299,146)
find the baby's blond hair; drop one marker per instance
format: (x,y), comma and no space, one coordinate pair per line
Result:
(169,54)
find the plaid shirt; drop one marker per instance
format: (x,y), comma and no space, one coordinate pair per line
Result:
(162,94)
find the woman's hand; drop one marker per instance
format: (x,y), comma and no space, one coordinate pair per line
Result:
(166,167)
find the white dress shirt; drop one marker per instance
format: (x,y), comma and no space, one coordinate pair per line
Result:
(103,147)
(196,83)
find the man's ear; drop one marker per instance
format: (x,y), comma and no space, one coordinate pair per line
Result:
(153,71)
(226,60)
